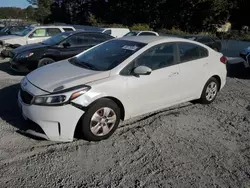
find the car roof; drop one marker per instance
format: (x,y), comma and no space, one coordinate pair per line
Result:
(52,26)
(83,31)
(151,39)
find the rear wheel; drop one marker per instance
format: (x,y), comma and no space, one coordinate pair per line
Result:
(45,61)
(100,120)
(210,91)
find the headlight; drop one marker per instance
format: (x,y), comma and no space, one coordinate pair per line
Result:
(59,99)
(50,100)
(25,55)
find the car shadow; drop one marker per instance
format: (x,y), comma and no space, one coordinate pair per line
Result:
(5,67)
(238,70)
(10,111)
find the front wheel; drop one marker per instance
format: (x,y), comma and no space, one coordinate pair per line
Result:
(210,91)
(101,120)
(45,61)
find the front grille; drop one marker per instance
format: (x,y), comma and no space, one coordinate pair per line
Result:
(26,97)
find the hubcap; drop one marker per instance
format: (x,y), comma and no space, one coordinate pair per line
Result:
(103,121)
(211,91)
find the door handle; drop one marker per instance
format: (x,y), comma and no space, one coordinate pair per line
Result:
(173,74)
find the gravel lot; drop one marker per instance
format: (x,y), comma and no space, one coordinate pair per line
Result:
(187,146)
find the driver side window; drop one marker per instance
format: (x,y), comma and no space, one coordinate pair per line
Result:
(157,57)
(39,33)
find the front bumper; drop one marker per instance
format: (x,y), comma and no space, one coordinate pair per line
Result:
(57,122)
(18,67)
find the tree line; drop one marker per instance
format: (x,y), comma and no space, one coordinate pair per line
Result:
(187,15)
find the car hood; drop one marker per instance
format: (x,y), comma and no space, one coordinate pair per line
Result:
(63,74)
(29,47)
(7,37)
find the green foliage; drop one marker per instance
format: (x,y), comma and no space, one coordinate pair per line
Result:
(11,12)
(141,27)
(173,31)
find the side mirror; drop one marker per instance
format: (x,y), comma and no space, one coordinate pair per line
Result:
(142,70)
(31,35)
(66,44)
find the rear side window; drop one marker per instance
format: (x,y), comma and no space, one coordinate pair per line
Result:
(77,40)
(190,52)
(204,40)
(39,33)
(53,31)
(147,34)
(95,38)
(108,32)
(67,29)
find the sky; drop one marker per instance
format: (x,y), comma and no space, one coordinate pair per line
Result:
(14,3)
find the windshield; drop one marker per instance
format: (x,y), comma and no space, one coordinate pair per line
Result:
(131,33)
(107,55)
(4,29)
(57,38)
(25,32)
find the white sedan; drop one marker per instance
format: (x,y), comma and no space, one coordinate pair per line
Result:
(119,79)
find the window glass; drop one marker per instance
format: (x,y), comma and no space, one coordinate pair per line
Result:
(147,33)
(53,31)
(131,33)
(107,32)
(204,40)
(56,39)
(157,57)
(68,29)
(107,55)
(189,52)
(40,33)
(94,38)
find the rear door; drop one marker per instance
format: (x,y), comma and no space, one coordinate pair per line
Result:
(193,60)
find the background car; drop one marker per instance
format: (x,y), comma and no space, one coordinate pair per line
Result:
(12,30)
(245,55)
(141,33)
(207,40)
(89,94)
(61,46)
(30,35)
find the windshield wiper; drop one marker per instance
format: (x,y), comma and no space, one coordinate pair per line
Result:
(83,64)
(89,66)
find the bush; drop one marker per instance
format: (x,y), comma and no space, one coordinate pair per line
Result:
(140,27)
(173,31)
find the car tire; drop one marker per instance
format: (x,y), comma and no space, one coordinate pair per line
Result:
(45,61)
(95,126)
(210,91)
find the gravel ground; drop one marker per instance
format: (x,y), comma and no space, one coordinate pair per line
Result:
(186,146)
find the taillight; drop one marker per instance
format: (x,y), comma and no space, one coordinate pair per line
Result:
(223,59)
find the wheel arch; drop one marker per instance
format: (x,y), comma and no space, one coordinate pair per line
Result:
(218,79)
(114,99)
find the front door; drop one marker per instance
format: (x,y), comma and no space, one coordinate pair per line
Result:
(37,36)
(160,89)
